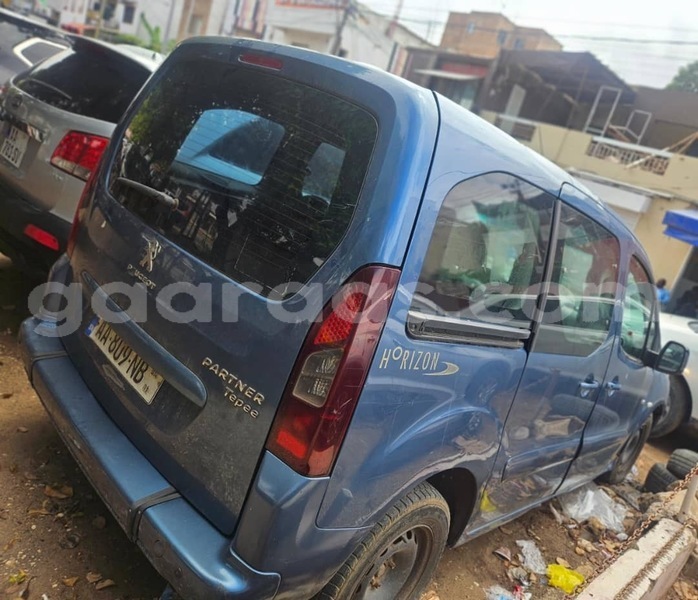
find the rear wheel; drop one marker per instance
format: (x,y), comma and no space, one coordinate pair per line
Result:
(399,556)
(675,411)
(628,455)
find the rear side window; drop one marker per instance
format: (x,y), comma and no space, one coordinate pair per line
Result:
(36,50)
(88,80)
(267,172)
(487,254)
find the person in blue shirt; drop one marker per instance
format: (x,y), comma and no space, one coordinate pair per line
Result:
(663,294)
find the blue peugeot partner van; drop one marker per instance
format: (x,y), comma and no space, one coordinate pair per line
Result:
(315,323)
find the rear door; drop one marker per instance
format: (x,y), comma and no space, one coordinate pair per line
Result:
(228,191)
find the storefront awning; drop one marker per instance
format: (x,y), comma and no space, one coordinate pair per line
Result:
(682,225)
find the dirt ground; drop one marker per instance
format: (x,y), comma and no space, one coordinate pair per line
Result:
(58,538)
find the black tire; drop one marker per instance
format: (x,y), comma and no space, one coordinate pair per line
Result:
(628,455)
(398,557)
(659,479)
(681,462)
(676,410)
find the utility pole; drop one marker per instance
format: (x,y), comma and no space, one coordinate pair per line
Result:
(98,29)
(168,28)
(337,42)
(396,19)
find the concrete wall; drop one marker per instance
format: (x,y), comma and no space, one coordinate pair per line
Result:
(667,254)
(567,148)
(68,11)
(484,34)
(475,33)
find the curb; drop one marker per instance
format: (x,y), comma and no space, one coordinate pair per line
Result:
(648,570)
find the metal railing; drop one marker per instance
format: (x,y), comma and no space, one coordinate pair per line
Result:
(630,155)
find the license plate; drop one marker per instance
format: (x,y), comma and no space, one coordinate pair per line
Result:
(137,373)
(14,145)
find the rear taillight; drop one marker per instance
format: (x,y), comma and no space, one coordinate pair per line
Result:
(329,374)
(86,191)
(78,153)
(41,236)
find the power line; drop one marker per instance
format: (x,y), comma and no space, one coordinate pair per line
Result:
(614,24)
(516,33)
(431,9)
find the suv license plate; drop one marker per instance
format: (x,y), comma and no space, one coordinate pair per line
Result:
(14,145)
(138,373)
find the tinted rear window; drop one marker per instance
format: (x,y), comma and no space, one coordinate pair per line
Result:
(87,80)
(267,171)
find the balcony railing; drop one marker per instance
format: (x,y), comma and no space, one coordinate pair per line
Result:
(630,155)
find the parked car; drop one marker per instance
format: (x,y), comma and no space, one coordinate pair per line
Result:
(682,404)
(56,119)
(280,396)
(26,42)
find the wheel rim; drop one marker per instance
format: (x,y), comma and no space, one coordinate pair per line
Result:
(397,568)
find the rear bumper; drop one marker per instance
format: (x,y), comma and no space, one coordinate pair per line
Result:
(16,212)
(181,544)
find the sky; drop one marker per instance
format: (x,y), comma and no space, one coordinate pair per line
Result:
(666,31)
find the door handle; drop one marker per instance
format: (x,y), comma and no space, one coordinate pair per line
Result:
(612,387)
(586,387)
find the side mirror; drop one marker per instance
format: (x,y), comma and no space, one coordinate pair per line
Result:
(672,358)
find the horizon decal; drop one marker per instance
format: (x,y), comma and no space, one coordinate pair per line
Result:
(428,363)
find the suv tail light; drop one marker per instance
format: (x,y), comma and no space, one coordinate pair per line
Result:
(330,371)
(78,153)
(41,236)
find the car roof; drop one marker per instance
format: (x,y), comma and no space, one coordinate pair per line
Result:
(389,82)
(124,50)
(41,27)
(141,51)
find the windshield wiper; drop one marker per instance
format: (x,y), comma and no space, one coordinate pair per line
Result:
(161,197)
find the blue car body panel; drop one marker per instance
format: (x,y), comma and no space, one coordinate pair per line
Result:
(188,477)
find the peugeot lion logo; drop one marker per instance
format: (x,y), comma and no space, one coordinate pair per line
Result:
(152,249)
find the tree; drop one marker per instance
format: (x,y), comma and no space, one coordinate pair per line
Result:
(686,79)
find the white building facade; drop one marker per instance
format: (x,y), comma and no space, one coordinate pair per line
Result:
(364,36)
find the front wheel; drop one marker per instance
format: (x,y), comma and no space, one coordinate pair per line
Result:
(675,411)
(398,557)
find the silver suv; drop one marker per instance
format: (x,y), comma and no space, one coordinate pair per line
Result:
(56,119)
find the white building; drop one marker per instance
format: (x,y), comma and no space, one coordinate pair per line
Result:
(62,12)
(365,35)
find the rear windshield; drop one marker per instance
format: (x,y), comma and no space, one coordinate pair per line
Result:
(87,80)
(267,172)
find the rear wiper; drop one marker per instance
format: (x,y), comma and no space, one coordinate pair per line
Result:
(146,190)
